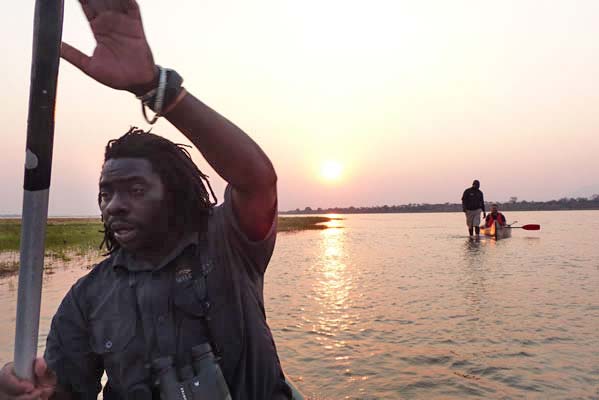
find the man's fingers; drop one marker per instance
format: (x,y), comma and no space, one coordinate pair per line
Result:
(46,378)
(39,367)
(132,4)
(47,393)
(12,385)
(116,5)
(44,375)
(94,7)
(88,10)
(74,56)
(33,395)
(99,5)
(132,8)
(124,5)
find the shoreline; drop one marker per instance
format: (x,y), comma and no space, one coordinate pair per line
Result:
(69,234)
(342,211)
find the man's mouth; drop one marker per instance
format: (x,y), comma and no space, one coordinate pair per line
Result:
(123,232)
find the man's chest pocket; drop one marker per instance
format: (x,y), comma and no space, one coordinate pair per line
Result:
(114,340)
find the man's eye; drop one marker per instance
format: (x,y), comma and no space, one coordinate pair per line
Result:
(137,191)
(104,195)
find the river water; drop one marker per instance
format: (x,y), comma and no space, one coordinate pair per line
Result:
(405,306)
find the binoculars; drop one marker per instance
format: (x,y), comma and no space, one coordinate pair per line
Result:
(202,380)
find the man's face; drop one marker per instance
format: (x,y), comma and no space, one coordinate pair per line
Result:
(475,184)
(494,209)
(132,201)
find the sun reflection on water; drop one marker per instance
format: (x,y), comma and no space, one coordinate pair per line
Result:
(335,222)
(332,291)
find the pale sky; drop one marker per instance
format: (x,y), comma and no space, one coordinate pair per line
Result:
(407,100)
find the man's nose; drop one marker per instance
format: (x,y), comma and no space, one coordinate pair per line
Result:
(118,204)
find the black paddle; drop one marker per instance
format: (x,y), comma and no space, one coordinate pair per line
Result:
(47,32)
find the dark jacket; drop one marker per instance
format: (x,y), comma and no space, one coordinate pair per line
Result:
(473,199)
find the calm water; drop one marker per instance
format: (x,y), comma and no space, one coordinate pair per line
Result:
(405,306)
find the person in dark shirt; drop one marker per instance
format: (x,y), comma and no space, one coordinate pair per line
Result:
(473,204)
(181,271)
(495,215)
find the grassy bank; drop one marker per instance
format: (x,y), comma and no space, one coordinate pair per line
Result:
(78,234)
(60,234)
(290,224)
(86,233)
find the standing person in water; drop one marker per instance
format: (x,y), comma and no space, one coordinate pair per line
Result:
(495,215)
(184,278)
(473,203)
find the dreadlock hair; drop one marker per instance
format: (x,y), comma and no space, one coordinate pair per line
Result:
(183,181)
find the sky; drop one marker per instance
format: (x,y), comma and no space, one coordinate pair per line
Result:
(359,103)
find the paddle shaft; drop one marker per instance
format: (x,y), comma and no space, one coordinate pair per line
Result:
(47,33)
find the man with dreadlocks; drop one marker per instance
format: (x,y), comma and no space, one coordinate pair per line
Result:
(180,271)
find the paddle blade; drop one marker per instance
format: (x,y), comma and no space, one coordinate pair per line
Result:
(531,227)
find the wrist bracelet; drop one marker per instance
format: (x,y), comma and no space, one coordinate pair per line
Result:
(174,103)
(161,99)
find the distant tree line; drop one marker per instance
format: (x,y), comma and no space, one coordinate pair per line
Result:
(579,203)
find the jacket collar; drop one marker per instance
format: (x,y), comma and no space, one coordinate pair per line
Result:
(124,259)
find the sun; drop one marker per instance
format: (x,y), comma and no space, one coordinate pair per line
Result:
(331,170)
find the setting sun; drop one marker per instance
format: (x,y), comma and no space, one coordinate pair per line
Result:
(331,170)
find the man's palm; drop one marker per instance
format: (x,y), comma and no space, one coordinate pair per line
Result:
(122,58)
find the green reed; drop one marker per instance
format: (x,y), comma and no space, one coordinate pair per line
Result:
(76,233)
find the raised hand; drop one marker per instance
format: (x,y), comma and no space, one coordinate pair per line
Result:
(122,58)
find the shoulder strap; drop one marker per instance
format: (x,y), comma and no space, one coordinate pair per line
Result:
(138,315)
